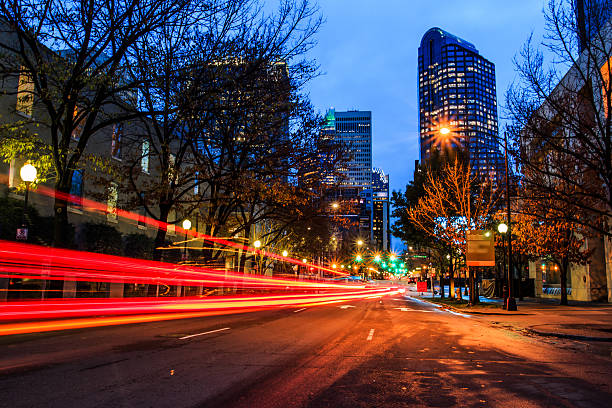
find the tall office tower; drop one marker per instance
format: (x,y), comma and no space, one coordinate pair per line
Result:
(591,15)
(457,93)
(354,130)
(380,211)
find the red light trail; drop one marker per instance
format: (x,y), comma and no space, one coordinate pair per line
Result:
(94,206)
(26,261)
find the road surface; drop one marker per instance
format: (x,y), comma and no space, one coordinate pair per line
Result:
(394,352)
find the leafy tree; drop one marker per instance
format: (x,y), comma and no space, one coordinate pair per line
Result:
(543,233)
(454,203)
(138,246)
(101,238)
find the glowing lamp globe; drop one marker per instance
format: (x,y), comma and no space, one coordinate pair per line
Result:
(444,131)
(186,225)
(28,173)
(257,244)
(285,253)
(502,228)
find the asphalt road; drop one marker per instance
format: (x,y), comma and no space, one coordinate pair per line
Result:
(393,352)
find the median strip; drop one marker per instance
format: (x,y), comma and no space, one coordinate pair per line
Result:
(299,310)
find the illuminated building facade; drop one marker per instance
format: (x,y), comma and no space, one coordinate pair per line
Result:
(380,210)
(457,92)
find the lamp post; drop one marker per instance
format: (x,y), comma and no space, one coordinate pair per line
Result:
(503,229)
(511,304)
(186,227)
(28,175)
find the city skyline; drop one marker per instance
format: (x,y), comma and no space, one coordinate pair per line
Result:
(386,82)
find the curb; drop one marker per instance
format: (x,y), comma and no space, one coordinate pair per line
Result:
(568,336)
(469,311)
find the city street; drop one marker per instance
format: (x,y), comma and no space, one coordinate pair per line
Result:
(392,352)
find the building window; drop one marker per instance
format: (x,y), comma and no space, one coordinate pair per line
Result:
(76,189)
(111,204)
(12,173)
(196,185)
(144,161)
(116,141)
(25,93)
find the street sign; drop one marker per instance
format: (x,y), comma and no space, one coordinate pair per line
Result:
(421,286)
(480,248)
(22,234)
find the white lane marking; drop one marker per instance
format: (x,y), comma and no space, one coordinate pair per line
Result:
(345,306)
(299,310)
(407,309)
(201,334)
(370,335)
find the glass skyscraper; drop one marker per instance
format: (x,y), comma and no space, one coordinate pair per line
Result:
(457,93)
(380,212)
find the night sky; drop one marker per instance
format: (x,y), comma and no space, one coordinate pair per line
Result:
(367,51)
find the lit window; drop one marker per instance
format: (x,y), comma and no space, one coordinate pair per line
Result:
(111,204)
(144,160)
(25,93)
(76,189)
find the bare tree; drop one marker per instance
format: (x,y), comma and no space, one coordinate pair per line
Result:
(71,58)
(559,113)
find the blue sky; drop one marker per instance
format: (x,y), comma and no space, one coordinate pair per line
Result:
(367,51)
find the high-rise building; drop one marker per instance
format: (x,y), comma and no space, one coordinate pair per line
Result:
(380,210)
(591,15)
(354,130)
(457,93)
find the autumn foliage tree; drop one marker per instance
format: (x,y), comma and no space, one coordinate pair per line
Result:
(454,203)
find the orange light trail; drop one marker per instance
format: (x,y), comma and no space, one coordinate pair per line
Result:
(52,315)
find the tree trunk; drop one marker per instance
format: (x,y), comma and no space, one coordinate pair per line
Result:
(160,237)
(564,267)
(451,280)
(472,285)
(61,238)
(442,286)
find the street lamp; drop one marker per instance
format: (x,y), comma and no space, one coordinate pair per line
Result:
(359,243)
(186,227)
(444,131)
(257,244)
(335,206)
(509,302)
(285,253)
(28,175)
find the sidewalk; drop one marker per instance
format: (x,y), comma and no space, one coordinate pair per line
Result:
(579,321)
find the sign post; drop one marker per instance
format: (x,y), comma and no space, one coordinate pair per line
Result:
(480,252)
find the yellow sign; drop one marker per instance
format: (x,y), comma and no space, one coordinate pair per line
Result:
(480,248)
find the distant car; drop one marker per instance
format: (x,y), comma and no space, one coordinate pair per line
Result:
(412,279)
